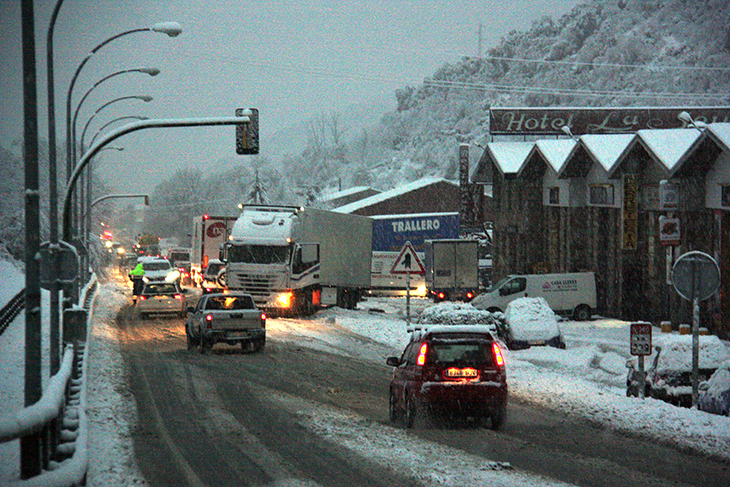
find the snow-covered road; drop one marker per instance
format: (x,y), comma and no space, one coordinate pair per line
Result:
(586,380)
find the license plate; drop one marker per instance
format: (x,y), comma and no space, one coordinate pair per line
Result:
(461,373)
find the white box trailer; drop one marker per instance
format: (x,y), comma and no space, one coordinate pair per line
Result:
(572,294)
(294,260)
(209,233)
(452,269)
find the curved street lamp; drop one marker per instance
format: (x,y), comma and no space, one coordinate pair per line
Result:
(149,71)
(171,29)
(144,98)
(119,119)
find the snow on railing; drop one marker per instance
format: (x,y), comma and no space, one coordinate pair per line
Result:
(33,418)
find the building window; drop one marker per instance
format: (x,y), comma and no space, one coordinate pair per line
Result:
(554,195)
(601,195)
(725,195)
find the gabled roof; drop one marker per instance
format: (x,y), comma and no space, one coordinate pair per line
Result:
(510,157)
(556,152)
(347,192)
(720,133)
(607,149)
(386,195)
(670,147)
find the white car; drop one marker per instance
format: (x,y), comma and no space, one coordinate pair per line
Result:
(161,298)
(531,321)
(158,269)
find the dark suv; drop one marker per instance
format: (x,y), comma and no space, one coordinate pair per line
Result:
(456,370)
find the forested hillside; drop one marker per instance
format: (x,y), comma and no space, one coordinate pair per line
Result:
(603,53)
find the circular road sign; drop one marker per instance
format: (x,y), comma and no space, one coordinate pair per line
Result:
(696,272)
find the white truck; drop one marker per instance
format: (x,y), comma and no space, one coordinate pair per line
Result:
(209,233)
(452,269)
(570,293)
(295,260)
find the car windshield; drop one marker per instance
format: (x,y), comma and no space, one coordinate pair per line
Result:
(229,303)
(259,254)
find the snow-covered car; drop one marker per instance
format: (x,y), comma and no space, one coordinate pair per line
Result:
(161,298)
(669,377)
(715,392)
(158,269)
(531,321)
(449,313)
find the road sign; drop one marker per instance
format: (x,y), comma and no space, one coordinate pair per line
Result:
(407,262)
(696,275)
(641,338)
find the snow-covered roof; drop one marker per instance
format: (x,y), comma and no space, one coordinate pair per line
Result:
(607,149)
(510,157)
(346,192)
(386,195)
(670,146)
(720,132)
(556,151)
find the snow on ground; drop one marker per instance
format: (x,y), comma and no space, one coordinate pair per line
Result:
(587,380)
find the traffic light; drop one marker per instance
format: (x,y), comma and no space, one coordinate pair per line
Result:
(247,134)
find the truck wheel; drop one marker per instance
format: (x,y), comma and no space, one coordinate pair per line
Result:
(393,414)
(203,344)
(582,313)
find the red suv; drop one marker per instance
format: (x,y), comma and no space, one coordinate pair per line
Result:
(457,370)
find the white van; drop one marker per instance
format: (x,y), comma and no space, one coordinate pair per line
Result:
(569,294)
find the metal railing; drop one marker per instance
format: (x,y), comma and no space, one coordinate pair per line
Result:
(58,419)
(11,310)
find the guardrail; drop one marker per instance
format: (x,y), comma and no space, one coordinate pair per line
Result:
(11,310)
(59,417)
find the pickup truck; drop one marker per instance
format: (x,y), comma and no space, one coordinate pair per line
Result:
(232,318)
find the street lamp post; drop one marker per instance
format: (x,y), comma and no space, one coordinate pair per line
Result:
(171,29)
(84,199)
(116,120)
(126,129)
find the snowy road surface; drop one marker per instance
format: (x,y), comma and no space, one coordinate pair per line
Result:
(569,422)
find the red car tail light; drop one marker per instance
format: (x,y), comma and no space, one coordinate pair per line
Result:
(498,357)
(421,360)
(178,296)
(142,298)
(263,320)
(441,295)
(469,295)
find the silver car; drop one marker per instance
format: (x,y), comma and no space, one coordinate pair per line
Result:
(161,298)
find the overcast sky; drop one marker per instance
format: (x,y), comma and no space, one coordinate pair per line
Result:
(290,59)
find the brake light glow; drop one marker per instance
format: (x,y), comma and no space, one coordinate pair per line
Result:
(142,298)
(263,320)
(208,317)
(469,295)
(498,357)
(442,295)
(421,360)
(285,299)
(178,296)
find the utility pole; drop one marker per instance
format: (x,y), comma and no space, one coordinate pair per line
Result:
(479,53)
(30,446)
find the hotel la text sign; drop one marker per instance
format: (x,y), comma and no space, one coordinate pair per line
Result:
(549,121)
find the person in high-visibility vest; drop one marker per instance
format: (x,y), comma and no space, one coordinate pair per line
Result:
(136,275)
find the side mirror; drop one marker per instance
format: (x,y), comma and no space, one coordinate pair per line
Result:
(393,361)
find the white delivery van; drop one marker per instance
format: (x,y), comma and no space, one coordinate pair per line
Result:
(567,294)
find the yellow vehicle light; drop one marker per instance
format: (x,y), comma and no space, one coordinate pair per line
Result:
(285,299)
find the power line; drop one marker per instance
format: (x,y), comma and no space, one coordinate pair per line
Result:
(569,91)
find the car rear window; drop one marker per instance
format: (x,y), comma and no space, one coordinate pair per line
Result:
(461,351)
(156,266)
(160,289)
(229,302)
